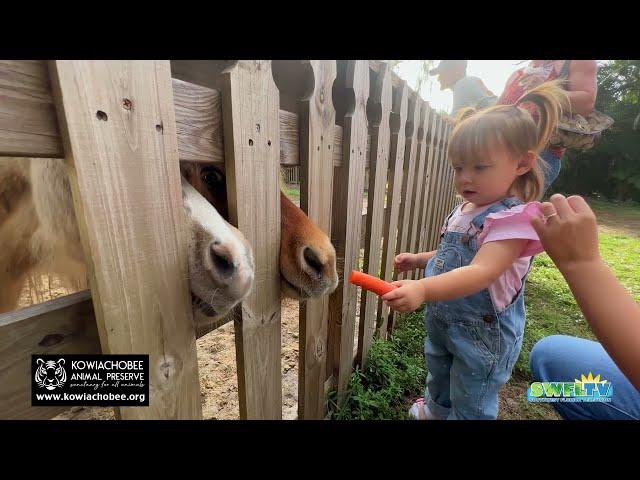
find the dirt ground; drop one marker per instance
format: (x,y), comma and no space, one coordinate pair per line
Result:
(218,376)
(218,380)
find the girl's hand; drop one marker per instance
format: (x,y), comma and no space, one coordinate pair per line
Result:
(405,261)
(570,233)
(407,297)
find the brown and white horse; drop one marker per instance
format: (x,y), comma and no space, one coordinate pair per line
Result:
(39,234)
(307,257)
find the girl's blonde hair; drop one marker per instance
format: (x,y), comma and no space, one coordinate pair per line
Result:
(477,133)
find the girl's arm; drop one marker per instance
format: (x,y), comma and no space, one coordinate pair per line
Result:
(612,313)
(491,261)
(582,86)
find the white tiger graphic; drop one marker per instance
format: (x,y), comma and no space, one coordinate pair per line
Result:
(50,374)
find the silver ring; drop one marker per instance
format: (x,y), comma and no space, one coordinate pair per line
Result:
(547,217)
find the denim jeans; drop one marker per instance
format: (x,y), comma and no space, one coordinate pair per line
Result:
(561,358)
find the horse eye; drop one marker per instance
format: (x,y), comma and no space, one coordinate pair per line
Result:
(212,177)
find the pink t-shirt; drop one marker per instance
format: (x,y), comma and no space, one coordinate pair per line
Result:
(504,225)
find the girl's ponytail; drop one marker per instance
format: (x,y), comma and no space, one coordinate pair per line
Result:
(550,99)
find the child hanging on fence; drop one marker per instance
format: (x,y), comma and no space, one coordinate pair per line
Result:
(474,282)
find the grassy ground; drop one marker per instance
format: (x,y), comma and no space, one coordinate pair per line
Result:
(395,371)
(293,192)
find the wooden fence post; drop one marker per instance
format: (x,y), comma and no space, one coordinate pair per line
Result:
(411,147)
(132,232)
(317,122)
(434,229)
(381,98)
(394,196)
(404,227)
(250,108)
(420,185)
(430,179)
(348,188)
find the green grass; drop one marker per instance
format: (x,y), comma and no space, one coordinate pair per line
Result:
(395,372)
(293,192)
(622,254)
(627,210)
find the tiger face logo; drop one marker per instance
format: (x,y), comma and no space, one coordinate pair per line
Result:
(50,374)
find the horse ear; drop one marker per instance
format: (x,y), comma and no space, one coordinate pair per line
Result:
(39,361)
(61,361)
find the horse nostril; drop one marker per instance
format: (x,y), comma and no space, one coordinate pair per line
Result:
(312,260)
(222,259)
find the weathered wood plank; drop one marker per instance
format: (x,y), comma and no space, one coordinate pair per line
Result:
(29,127)
(443,183)
(203,73)
(62,326)
(394,196)
(446,176)
(410,150)
(379,128)
(27,113)
(419,182)
(411,147)
(317,124)
(434,228)
(132,232)
(198,122)
(348,189)
(289,142)
(251,131)
(429,187)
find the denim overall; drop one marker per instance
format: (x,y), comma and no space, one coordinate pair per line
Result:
(471,348)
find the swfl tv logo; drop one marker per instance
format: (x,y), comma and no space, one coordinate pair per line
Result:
(587,389)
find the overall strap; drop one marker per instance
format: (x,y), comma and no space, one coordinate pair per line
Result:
(446,220)
(504,204)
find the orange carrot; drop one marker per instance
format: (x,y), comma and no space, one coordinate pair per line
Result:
(368,282)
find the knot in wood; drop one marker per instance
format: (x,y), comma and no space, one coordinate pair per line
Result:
(319,348)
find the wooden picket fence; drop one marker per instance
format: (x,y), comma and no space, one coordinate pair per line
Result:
(356,115)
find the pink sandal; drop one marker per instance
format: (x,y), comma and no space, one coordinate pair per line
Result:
(419,411)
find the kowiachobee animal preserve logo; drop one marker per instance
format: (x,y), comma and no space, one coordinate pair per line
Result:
(50,374)
(90,380)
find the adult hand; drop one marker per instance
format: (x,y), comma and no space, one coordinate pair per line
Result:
(569,233)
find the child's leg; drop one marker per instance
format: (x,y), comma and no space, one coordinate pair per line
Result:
(438,361)
(470,373)
(484,357)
